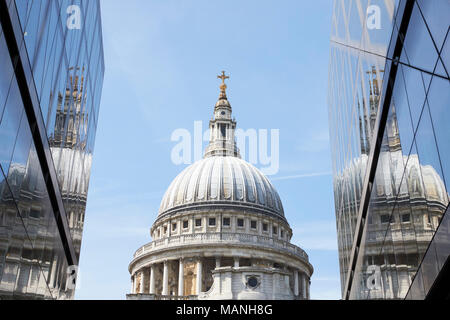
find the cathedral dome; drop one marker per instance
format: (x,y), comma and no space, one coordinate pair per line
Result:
(220,232)
(222,181)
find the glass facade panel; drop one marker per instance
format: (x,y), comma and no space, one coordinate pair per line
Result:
(425,55)
(400,159)
(35,249)
(436,16)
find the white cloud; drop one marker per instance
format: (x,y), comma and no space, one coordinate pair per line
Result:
(300,176)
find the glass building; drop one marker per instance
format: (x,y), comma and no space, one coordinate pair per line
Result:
(51,77)
(389,93)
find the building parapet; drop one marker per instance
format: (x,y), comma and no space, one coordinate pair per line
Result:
(222,237)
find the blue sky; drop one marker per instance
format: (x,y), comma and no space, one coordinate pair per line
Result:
(162,58)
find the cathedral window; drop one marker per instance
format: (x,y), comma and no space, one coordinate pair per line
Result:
(384,218)
(282,234)
(252,282)
(428,216)
(253,224)
(240,223)
(274,230)
(198,222)
(34,213)
(265,227)
(212,222)
(174,226)
(185,224)
(226,222)
(406,217)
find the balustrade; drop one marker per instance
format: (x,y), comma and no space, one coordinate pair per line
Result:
(193,238)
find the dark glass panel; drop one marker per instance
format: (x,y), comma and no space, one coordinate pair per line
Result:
(439,100)
(442,240)
(436,15)
(13,245)
(430,160)
(445,53)
(418,49)
(416,85)
(6,75)
(32,16)
(416,291)
(429,267)
(9,125)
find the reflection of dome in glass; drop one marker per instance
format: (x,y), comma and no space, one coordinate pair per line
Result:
(419,180)
(425,182)
(224,181)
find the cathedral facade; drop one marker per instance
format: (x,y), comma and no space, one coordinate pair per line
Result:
(220,232)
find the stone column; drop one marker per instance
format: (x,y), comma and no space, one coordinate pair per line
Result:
(236,262)
(217,262)
(199,276)
(304,285)
(181,278)
(152,279)
(296,282)
(132,284)
(307,288)
(141,289)
(165,288)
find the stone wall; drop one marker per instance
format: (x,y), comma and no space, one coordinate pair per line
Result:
(190,277)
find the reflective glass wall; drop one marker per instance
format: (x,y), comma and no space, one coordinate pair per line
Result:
(60,44)
(386,220)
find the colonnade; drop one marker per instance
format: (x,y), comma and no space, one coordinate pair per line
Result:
(301,280)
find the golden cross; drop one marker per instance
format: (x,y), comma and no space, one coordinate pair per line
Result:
(223,77)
